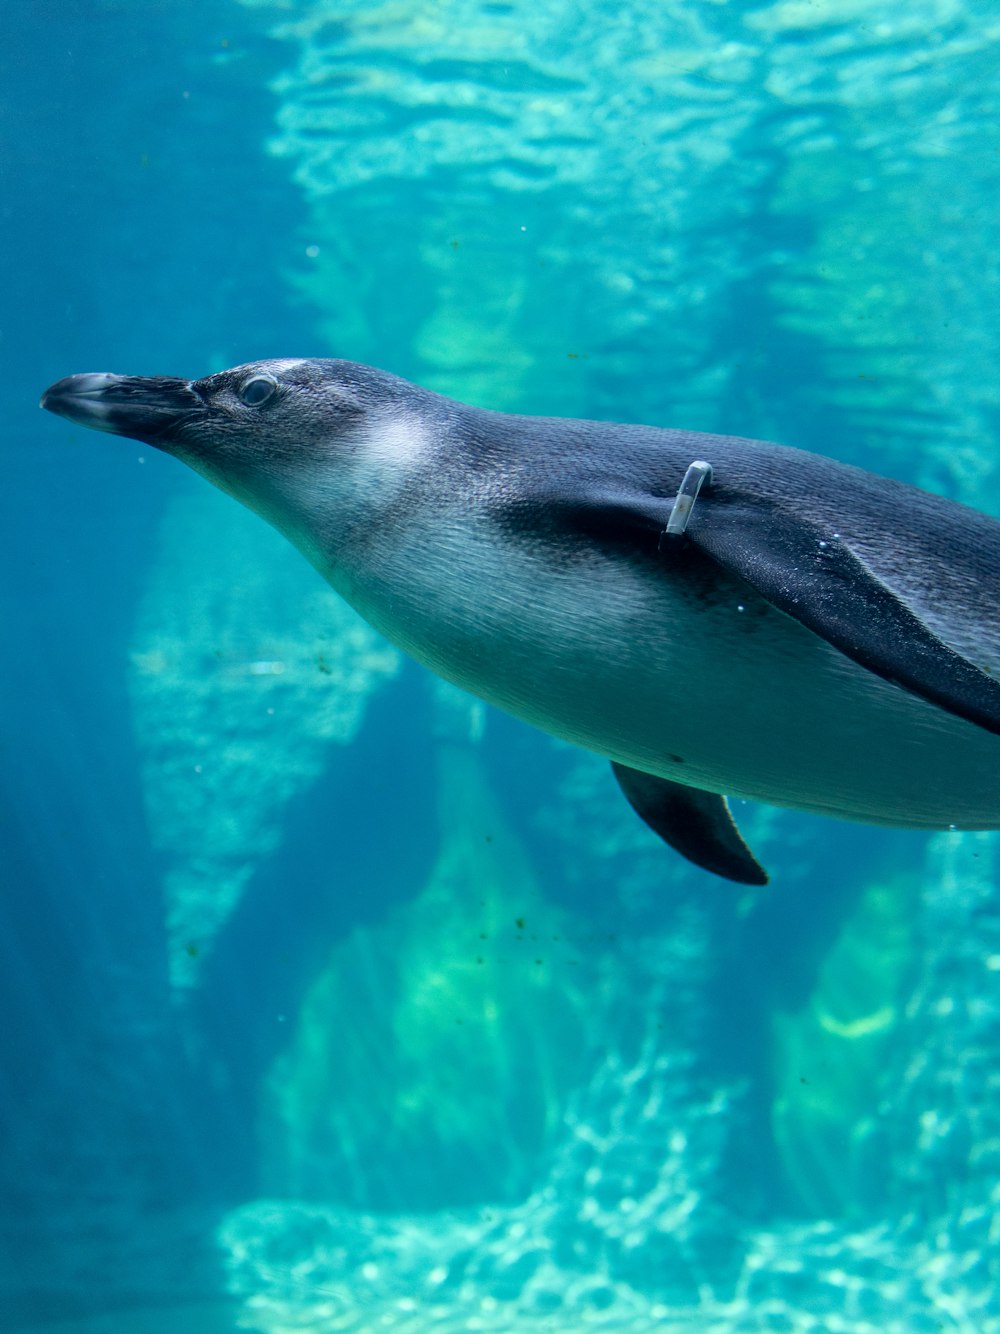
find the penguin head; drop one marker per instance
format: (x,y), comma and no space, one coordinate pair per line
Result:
(314,446)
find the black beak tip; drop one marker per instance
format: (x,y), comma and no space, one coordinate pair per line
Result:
(144,407)
(81,398)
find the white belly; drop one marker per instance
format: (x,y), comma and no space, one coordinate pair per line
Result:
(730,695)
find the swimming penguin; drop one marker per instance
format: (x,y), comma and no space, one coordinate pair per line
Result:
(714,615)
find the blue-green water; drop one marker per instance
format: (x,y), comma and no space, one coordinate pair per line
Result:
(331,1000)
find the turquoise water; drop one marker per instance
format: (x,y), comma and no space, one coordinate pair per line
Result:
(331,999)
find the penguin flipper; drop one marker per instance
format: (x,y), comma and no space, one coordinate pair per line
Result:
(815,577)
(810,574)
(697,824)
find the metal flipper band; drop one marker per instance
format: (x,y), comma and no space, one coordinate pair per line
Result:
(698,473)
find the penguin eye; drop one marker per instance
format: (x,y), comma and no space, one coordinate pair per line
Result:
(257,390)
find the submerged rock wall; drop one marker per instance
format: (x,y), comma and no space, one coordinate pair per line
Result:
(432,1059)
(631,1222)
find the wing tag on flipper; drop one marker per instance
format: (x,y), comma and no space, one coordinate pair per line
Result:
(697,475)
(696,824)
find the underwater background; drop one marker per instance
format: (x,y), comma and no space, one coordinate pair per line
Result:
(329,998)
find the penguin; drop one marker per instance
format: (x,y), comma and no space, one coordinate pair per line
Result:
(716,616)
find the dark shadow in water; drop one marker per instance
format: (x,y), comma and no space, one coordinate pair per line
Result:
(100,1126)
(122,218)
(362,839)
(212,1315)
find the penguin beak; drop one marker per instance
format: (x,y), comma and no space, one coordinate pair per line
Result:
(145,408)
